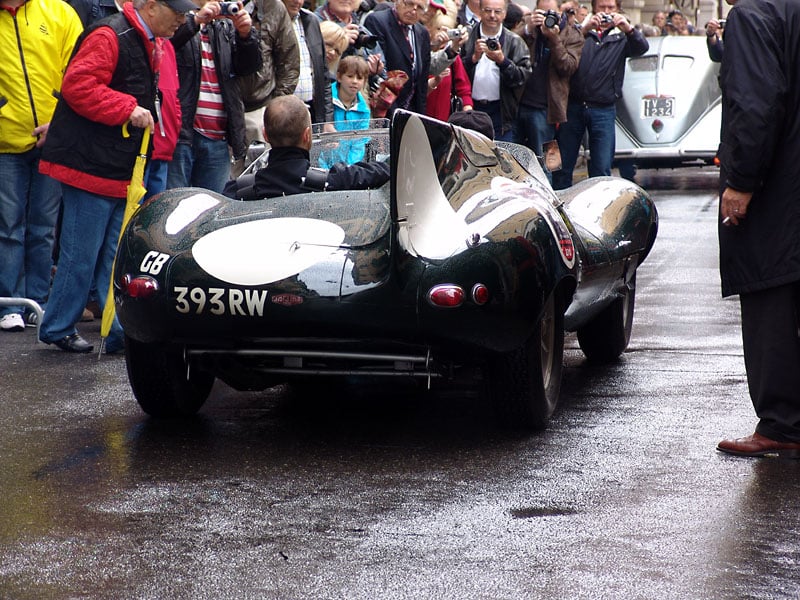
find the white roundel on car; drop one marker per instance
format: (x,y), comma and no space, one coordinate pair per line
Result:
(267,250)
(187,211)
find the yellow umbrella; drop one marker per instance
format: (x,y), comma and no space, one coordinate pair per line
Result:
(136,192)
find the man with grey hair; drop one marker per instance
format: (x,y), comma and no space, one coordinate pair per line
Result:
(109,95)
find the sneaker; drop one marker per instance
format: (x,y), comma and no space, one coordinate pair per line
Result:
(12,322)
(31,319)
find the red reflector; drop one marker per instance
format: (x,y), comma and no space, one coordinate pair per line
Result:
(657,125)
(139,287)
(480,294)
(446,295)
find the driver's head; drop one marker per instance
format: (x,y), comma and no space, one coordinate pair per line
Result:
(287,122)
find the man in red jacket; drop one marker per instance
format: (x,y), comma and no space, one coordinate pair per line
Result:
(111,81)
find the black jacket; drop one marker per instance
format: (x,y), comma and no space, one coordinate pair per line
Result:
(94,148)
(322,103)
(287,167)
(760,144)
(397,55)
(601,71)
(514,71)
(233,56)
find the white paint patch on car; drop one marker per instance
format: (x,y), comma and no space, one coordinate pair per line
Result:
(187,211)
(267,250)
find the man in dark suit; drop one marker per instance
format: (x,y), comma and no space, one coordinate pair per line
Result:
(759,257)
(407,47)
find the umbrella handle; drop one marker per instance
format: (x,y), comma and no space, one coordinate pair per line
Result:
(145,139)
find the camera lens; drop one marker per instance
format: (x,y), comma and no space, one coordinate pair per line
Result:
(365,40)
(228,8)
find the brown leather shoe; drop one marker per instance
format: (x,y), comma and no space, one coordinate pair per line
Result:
(758,445)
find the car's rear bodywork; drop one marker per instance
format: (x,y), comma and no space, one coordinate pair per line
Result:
(453,263)
(670,111)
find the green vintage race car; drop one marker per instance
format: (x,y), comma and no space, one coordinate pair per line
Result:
(465,260)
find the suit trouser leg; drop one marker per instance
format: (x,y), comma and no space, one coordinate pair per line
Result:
(771,344)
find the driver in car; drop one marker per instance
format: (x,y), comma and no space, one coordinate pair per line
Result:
(287,127)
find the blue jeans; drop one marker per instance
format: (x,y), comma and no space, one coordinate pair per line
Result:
(29,203)
(532,129)
(155,177)
(495,110)
(89,232)
(599,122)
(206,164)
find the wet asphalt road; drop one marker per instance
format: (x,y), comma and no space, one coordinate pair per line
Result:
(387,494)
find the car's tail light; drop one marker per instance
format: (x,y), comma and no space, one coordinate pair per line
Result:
(657,125)
(139,287)
(446,295)
(480,294)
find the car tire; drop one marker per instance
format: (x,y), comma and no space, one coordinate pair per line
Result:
(607,336)
(524,384)
(163,385)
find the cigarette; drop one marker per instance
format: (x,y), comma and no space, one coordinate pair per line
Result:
(726,220)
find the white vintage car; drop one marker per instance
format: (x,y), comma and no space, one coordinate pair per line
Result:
(670,111)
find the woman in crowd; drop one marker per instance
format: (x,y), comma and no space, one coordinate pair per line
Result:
(453,80)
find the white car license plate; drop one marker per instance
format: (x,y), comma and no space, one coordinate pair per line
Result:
(658,106)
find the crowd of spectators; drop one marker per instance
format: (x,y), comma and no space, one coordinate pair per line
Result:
(211,70)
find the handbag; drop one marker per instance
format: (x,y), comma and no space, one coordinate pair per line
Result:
(456,103)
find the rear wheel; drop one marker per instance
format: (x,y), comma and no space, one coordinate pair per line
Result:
(605,337)
(163,383)
(524,384)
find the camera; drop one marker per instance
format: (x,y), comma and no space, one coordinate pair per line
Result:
(228,8)
(365,6)
(365,40)
(551,19)
(454,34)
(605,19)
(492,44)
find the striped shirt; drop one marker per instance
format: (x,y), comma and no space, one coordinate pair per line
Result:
(210,119)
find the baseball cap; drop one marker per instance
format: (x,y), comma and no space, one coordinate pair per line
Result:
(438,5)
(475,120)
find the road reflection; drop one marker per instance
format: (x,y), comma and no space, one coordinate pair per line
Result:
(753,552)
(692,179)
